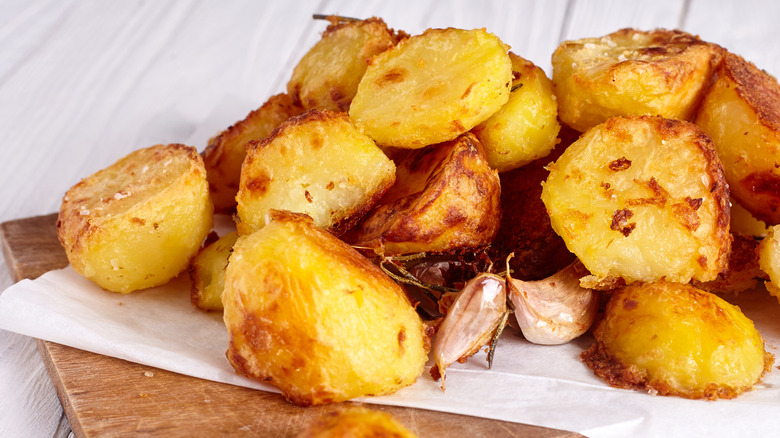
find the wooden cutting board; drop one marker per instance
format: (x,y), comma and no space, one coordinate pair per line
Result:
(107,396)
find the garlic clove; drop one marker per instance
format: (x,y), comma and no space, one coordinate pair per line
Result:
(554,310)
(470,322)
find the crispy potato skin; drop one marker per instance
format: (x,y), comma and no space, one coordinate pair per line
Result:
(631,72)
(741,113)
(432,87)
(356,422)
(743,269)
(641,198)
(137,223)
(207,273)
(307,313)
(674,339)
(316,163)
(526,127)
(447,200)
(525,230)
(225,152)
(327,76)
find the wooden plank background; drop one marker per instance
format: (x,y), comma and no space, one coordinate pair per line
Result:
(84,83)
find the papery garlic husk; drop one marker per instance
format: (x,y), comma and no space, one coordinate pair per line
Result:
(470,322)
(555,310)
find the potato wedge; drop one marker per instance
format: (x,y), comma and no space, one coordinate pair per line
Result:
(640,199)
(741,113)
(225,152)
(631,72)
(328,75)
(433,87)
(447,199)
(207,273)
(317,163)
(526,127)
(356,422)
(674,339)
(308,314)
(137,223)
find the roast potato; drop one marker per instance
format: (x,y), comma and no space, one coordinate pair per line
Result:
(308,314)
(446,199)
(631,72)
(742,272)
(526,127)
(137,223)
(769,260)
(207,273)
(327,76)
(316,163)
(432,87)
(225,152)
(743,222)
(356,422)
(641,198)
(741,113)
(674,339)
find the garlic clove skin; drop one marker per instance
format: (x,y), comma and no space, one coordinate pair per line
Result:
(554,310)
(470,322)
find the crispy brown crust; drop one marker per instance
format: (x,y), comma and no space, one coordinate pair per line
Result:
(756,87)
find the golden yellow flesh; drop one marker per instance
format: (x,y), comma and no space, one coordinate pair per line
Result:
(631,72)
(432,87)
(225,152)
(327,76)
(137,223)
(674,339)
(308,314)
(207,273)
(641,199)
(526,127)
(356,422)
(769,259)
(741,113)
(317,163)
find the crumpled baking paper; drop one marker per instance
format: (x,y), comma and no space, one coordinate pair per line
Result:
(532,384)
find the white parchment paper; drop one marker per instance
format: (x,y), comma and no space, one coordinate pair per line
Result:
(538,385)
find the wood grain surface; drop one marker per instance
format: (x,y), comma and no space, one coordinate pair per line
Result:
(107,396)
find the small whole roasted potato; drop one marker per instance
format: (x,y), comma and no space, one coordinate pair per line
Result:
(317,163)
(641,198)
(674,339)
(631,72)
(446,198)
(526,127)
(225,152)
(741,113)
(432,87)
(327,76)
(308,314)
(207,273)
(137,223)
(356,422)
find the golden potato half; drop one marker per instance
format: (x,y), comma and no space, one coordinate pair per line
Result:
(526,127)
(328,75)
(769,259)
(640,199)
(225,152)
(207,273)
(357,422)
(741,113)
(432,87)
(308,314)
(446,199)
(317,163)
(674,339)
(137,223)
(631,72)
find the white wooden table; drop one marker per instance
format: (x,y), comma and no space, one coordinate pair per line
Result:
(83,83)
